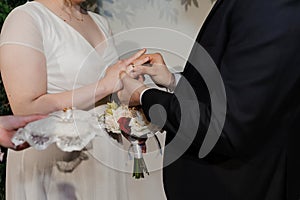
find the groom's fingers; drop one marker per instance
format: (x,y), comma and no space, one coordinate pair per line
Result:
(132,89)
(141,60)
(130,60)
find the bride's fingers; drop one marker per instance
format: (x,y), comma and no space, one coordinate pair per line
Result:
(130,60)
(134,74)
(122,74)
(130,68)
(141,61)
(141,78)
(140,69)
(130,72)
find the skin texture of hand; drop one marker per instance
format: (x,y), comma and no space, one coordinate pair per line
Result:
(25,82)
(132,89)
(9,125)
(157,70)
(112,78)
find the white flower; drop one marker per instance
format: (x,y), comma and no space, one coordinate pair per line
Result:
(121,111)
(111,124)
(113,114)
(138,125)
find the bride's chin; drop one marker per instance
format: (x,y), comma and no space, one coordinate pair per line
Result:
(73,2)
(78,1)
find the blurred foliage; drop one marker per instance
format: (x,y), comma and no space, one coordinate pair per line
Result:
(188,3)
(4,10)
(6,6)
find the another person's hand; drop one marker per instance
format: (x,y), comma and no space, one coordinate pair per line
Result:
(156,69)
(132,89)
(9,125)
(112,79)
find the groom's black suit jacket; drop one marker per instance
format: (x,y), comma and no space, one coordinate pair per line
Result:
(255,45)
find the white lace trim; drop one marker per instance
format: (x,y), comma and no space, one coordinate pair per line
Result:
(71,130)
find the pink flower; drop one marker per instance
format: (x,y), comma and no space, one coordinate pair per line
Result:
(124,125)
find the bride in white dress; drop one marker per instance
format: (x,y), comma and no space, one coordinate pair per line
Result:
(54,55)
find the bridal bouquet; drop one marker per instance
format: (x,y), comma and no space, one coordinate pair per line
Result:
(131,124)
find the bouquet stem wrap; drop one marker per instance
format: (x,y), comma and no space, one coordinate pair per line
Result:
(133,125)
(139,165)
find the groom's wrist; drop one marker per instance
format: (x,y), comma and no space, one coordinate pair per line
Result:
(174,81)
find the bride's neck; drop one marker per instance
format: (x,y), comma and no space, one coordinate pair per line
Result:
(69,11)
(64,4)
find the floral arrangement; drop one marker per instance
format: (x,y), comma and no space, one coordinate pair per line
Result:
(132,124)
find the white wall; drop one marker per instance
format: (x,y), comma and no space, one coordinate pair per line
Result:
(179,26)
(148,13)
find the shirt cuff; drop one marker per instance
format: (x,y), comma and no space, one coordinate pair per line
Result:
(177,77)
(141,95)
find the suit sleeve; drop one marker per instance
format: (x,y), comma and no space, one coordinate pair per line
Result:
(260,75)
(261,79)
(153,97)
(178,113)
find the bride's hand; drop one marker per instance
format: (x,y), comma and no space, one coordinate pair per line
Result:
(111,78)
(130,94)
(156,69)
(130,70)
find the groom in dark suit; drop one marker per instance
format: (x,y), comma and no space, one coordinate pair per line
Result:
(255,45)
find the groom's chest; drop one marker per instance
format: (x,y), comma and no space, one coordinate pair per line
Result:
(214,35)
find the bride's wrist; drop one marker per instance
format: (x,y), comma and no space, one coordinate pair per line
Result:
(103,89)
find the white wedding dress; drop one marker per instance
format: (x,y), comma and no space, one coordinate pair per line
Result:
(72,62)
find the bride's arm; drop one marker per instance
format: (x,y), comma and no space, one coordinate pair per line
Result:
(24,75)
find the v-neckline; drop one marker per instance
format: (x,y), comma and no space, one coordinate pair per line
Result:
(73,29)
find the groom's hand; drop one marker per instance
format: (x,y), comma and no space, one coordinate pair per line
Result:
(111,80)
(157,70)
(132,89)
